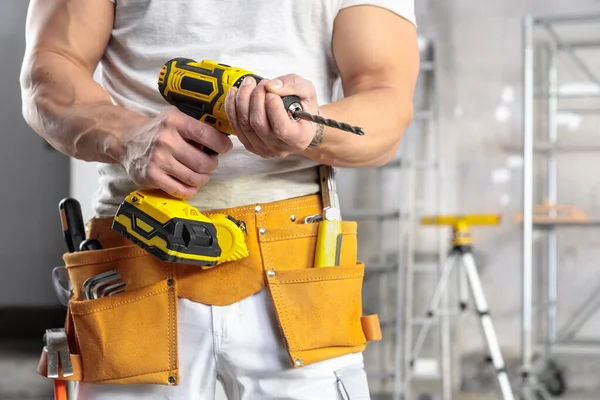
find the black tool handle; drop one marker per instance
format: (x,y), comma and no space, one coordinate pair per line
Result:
(71,220)
(90,244)
(288,101)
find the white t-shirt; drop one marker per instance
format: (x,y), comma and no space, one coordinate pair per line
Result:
(268,37)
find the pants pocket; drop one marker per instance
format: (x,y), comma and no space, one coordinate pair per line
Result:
(319,311)
(130,337)
(352,383)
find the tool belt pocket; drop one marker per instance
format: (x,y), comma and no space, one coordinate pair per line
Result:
(128,337)
(319,310)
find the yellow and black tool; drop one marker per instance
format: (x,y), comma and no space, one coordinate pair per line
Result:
(174,231)
(199,89)
(170,228)
(461,231)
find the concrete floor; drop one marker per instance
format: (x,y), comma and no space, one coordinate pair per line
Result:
(19,381)
(18,377)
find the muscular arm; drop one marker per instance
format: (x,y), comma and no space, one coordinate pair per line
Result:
(377,55)
(61,102)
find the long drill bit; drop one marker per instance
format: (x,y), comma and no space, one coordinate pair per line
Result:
(328,122)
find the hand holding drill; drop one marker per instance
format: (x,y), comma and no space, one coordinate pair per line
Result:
(166,153)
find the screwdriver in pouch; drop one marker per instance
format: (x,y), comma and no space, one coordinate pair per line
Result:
(199,89)
(329,236)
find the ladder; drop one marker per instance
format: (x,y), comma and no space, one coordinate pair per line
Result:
(392,198)
(424,255)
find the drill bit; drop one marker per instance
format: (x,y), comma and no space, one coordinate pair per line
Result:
(328,122)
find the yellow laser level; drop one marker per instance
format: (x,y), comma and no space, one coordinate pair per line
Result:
(461,231)
(460,256)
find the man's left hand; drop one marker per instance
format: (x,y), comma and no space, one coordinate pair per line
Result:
(259,119)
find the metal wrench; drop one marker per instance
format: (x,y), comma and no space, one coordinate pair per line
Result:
(98,283)
(112,289)
(86,287)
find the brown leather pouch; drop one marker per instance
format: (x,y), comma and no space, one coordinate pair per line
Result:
(319,309)
(129,337)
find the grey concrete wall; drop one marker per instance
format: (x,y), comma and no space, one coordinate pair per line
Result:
(479,45)
(33,180)
(481,64)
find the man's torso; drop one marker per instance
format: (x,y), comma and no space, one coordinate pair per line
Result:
(268,37)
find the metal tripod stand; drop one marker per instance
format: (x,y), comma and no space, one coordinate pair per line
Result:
(461,256)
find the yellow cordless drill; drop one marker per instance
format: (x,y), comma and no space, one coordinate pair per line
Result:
(170,228)
(199,89)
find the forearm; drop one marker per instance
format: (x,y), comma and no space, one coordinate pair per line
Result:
(71,111)
(384,114)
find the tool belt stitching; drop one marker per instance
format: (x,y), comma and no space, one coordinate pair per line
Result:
(286,319)
(132,254)
(273,210)
(289,206)
(267,253)
(300,235)
(290,202)
(136,375)
(346,276)
(277,238)
(172,352)
(267,207)
(120,303)
(172,348)
(238,214)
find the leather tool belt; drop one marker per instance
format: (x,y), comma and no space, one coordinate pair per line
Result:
(131,337)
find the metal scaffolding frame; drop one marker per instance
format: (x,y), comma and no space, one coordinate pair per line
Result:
(390,380)
(407,318)
(541,375)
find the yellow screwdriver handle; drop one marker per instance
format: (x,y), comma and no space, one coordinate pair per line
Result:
(329,243)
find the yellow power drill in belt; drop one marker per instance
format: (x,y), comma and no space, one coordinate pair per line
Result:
(170,228)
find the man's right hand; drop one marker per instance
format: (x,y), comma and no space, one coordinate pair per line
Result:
(166,153)
(65,41)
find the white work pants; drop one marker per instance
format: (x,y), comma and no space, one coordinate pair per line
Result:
(241,346)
